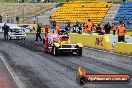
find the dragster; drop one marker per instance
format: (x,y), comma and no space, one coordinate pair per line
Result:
(60,43)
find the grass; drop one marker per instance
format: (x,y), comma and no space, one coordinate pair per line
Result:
(16,9)
(11,1)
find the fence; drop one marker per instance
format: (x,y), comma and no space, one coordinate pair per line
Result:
(114,1)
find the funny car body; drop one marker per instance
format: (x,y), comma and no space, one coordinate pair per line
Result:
(60,43)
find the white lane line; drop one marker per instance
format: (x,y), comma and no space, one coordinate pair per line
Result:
(12,73)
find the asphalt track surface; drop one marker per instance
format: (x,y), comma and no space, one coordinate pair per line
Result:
(37,69)
(6,80)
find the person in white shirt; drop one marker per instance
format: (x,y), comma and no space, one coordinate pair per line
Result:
(35,19)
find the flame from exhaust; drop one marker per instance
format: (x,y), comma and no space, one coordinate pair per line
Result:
(82,72)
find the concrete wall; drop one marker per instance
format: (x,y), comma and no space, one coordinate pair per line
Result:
(94,41)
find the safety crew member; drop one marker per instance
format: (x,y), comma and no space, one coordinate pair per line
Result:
(6,30)
(114,29)
(89,24)
(45,40)
(57,29)
(38,33)
(46,29)
(121,33)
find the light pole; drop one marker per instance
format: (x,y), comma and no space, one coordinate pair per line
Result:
(23,12)
(82,10)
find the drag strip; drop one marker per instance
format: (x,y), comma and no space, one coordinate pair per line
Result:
(7,77)
(37,69)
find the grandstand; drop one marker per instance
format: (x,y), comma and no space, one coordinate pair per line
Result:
(124,14)
(81,11)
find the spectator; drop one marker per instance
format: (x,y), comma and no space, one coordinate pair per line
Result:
(6,30)
(121,33)
(1,18)
(120,21)
(74,28)
(66,28)
(11,20)
(80,29)
(38,33)
(104,26)
(68,24)
(98,29)
(123,0)
(17,20)
(20,1)
(107,28)
(50,17)
(94,28)
(46,29)
(7,19)
(77,24)
(89,26)
(57,29)
(85,28)
(35,20)
(54,24)
(114,29)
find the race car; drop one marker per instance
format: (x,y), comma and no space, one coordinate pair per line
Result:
(60,43)
(16,33)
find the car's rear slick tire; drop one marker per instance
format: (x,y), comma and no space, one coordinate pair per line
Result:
(79,51)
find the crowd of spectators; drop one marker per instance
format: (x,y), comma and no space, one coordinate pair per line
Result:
(89,28)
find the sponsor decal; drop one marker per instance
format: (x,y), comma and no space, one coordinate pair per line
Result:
(99,41)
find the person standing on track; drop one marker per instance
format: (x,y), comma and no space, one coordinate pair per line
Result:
(38,33)
(46,29)
(6,30)
(121,33)
(114,29)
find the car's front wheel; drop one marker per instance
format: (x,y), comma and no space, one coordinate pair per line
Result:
(55,51)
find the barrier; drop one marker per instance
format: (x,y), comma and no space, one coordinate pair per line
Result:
(30,26)
(93,41)
(123,48)
(127,33)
